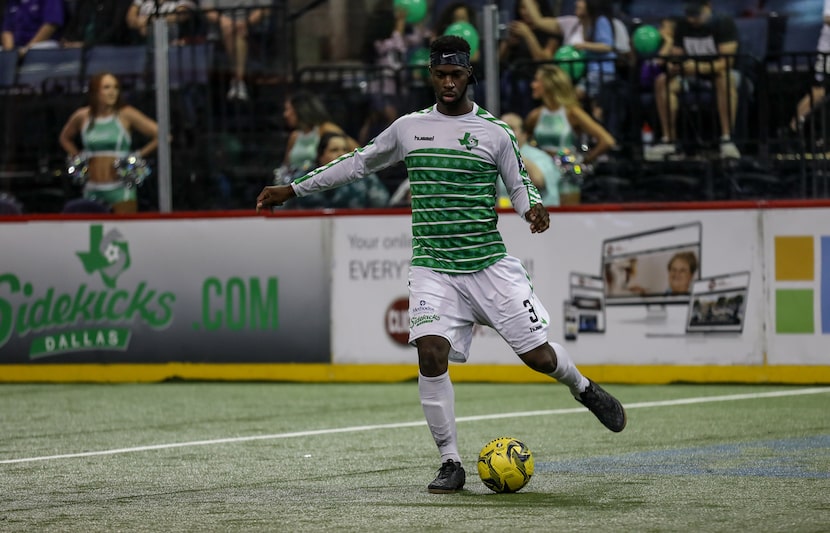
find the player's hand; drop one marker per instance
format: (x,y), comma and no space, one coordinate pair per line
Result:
(539,218)
(274,195)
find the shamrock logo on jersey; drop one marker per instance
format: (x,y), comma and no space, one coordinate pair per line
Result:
(469,142)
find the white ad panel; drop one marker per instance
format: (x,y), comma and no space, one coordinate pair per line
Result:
(797,247)
(646,298)
(643,325)
(150,291)
(370,298)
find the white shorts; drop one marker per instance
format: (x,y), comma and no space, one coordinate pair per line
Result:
(500,296)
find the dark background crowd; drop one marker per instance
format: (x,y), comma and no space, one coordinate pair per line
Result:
(702,101)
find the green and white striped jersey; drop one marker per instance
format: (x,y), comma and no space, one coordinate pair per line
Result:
(453,163)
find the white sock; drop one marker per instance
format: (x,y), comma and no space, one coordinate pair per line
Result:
(566,372)
(725,138)
(438,402)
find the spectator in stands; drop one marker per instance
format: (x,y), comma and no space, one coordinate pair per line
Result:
(366,192)
(822,71)
(105,129)
(235,18)
(651,67)
(389,41)
(96,22)
(179,15)
(557,123)
(525,42)
(32,24)
(667,25)
(592,30)
(457,12)
(308,120)
(700,33)
(540,167)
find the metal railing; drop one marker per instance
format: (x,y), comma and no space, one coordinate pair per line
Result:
(223,150)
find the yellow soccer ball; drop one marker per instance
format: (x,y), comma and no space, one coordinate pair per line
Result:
(505,465)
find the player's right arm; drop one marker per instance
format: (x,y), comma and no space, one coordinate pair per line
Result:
(274,195)
(382,152)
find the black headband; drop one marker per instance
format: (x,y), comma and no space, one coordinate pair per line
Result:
(462,59)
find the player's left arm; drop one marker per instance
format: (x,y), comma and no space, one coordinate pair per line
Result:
(524,195)
(539,218)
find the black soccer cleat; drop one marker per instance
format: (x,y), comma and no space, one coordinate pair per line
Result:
(605,407)
(451,478)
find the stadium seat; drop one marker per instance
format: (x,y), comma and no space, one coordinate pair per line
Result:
(85,205)
(8,68)
(803,23)
(189,64)
(127,63)
(48,69)
(9,205)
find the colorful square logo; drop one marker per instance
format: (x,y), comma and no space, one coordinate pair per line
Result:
(797,285)
(794,311)
(794,258)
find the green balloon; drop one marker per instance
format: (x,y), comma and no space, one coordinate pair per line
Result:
(570,61)
(420,58)
(646,40)
(416,10)
(466,31)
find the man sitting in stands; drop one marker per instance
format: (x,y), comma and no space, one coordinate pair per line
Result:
(32,24)
(700,33)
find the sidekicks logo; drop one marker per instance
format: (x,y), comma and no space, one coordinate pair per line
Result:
(86,317)
(108,254)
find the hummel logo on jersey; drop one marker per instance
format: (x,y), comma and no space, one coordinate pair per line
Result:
(469,142)
(418,138)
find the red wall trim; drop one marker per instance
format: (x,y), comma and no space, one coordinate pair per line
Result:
(662,206)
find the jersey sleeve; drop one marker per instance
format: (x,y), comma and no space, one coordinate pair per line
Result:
(523,194)
(383,151)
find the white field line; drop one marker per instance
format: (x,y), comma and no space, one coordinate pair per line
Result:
(355,429)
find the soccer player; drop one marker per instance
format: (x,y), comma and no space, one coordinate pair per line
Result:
(460,272)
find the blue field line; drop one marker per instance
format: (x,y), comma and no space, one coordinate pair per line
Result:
(398,425)
(805,458)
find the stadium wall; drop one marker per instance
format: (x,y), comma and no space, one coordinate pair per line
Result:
(322,296)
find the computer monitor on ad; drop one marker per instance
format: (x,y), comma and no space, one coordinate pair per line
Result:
(652,268)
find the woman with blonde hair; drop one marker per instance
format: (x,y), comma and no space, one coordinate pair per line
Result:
(560,120)
(105,129)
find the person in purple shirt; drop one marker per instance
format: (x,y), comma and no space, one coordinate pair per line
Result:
(32,24)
